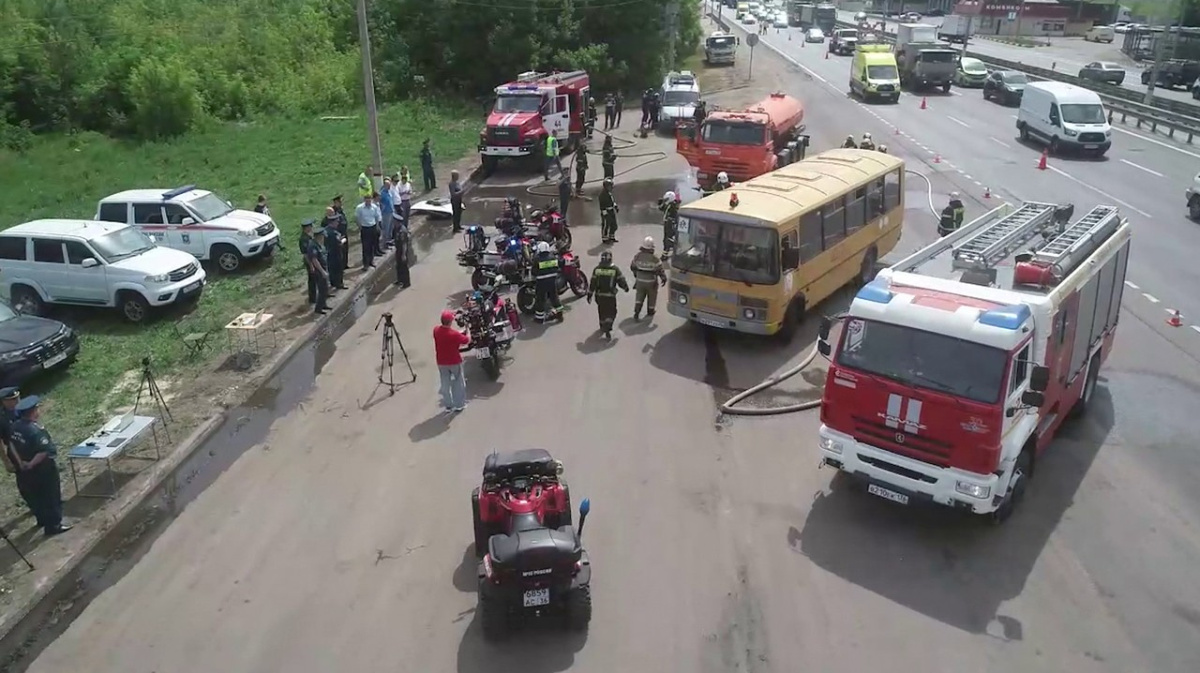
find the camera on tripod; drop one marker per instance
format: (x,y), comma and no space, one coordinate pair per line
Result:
(387,354)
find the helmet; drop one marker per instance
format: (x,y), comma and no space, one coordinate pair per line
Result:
(543,247)
(477,296)
(883,149)
(866,136)
(648,244)
(608,182)
(954,195)
(606,257)
(849,138)
(723,178)
(668,197)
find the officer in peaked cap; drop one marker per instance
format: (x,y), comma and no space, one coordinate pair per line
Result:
(8,401)
(37,472)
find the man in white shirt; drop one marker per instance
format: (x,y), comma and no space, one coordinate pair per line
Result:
(369,218)
(404,192)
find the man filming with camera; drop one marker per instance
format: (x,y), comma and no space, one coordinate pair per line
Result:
(446,344)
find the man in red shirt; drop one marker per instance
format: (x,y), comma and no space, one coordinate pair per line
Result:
(446,343)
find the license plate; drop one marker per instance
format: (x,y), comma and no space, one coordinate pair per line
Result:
(482,354)
(50,362)
(710,322)
(537,597)
(191,287)
(1091,147)
(887,494)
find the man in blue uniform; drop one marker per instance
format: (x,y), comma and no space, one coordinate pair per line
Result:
(8,402)
(37,472)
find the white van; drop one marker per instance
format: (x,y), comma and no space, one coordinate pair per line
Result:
(1100,34)
(680,94)
(89,263)
(1064,117)
(195,221)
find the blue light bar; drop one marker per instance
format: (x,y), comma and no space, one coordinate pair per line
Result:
(877,292)
(178,191)
(1006,317)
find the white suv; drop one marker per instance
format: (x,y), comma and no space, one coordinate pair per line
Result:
(194,221)
(88,263)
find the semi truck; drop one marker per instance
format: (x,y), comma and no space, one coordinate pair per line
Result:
(528,110)
(923,60)
(744,143)
(955,28)
(955,368)
(720,48)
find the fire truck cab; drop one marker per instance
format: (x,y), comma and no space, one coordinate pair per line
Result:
(526,111)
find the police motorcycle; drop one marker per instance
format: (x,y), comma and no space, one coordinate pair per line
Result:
(491,324)
(545,224)
(476,255)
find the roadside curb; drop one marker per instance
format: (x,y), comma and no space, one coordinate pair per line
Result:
(131,496)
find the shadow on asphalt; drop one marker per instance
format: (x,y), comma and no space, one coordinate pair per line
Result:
(466,575)
(534,648)
(950,566)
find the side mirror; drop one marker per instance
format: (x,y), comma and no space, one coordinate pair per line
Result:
(825,328)
(791,259)
(824,348)
(1032,398)
(89,263)
(1039,379)
(584,508)
(187,221)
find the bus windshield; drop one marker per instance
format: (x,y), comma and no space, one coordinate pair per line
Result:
(735,252)
(923,359)
(726,132)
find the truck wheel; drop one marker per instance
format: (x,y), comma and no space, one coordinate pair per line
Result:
(133,306)
(27,301)
(492,617)
(227,257)
(1080,409)
(1022,473)
(481,532)
(579,608)
(946,88)
(489,165)
(1194,208)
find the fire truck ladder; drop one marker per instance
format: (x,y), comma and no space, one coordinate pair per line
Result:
(1079,240)
(993,243)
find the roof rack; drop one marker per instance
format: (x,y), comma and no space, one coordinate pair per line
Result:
(991,244)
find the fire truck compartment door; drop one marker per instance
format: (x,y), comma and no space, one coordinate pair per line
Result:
(558,117)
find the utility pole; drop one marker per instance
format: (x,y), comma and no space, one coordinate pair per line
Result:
(364,40)
(673,32)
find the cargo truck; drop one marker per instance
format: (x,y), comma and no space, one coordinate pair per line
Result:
(720,48)
(924,62)
(954,370)
(955,28)
(746,143)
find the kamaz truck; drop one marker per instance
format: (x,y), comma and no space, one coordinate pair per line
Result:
(923,60)
(720,48)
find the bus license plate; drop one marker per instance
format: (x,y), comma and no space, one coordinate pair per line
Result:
(537,597)
(887,494)
(710,322)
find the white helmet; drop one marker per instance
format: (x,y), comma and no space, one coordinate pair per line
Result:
(866,136)
(723,178)
(648,244)
(543,247)
(669,196)
(883,149)
(954,195)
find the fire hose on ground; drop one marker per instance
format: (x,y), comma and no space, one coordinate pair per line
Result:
(730,408)
(650,157)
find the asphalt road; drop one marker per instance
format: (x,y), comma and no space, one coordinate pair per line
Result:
(343,542)
(1064,54)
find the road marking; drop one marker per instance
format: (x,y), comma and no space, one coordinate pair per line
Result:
(1131,286)
(967,176)
(1150,298)
(1141,168)
(999,142)
(1156,142)
(958,121)
(1196,328)
(1101,192)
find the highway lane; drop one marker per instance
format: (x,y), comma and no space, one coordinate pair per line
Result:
(1066,55)
(977,140)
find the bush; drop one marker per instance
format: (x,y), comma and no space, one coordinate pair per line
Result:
(165,97)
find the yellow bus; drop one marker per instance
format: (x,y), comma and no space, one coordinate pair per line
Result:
(753,257)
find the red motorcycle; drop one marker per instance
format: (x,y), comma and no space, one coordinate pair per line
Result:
(552,226)
(572,275)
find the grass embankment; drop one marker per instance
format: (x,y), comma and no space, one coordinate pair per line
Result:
(299,165)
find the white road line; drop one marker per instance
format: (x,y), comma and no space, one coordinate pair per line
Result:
(1141,168)
(1196,328)
(958,121)
(968,177)
(999,142)
(1101,192)
(1150,298)
(1131,286)
(1156,142)
(1170,311)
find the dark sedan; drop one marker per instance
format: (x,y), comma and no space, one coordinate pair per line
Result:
(30,345)
(1005,86)
(1100,71)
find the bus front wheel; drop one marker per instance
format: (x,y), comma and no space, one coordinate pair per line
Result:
(791,320)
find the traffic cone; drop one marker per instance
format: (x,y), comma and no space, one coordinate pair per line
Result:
(1175,320)
(923,104)
(895,130)
(1042,161)
(937,158)
(987,192)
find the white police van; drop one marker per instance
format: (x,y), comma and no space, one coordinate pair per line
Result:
(680,93)
(194,221)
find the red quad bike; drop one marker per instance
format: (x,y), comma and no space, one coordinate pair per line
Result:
(533,562)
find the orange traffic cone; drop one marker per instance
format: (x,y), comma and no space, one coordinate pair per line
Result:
(937,158)
(1042,161)
(987,192)
(923,104)
(1175,320)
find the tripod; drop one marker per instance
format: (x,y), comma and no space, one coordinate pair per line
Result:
(387,354)
(148,383)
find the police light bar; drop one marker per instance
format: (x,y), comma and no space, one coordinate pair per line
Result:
(178,191)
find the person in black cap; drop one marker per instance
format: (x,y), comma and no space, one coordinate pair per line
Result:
(343,227)
(318,259)
(306,241)
(334,243)
(8,401)
(37,473)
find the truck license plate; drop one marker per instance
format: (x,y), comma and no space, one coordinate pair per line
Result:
(1091,147)
(537,597)
(887,494)
(191,287)
(50,362)
(482,354)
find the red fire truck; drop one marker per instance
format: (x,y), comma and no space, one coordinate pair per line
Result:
(955,368)
(747,143)
(529,109)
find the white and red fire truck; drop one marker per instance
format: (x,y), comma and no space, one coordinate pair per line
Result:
(528,110)
(955,368)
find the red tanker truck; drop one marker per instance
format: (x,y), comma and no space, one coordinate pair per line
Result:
(745,143)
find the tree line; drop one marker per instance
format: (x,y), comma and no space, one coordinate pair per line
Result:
(154,69)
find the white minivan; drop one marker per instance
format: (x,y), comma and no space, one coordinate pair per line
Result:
(1100,34)
(89,263)
(1064,117)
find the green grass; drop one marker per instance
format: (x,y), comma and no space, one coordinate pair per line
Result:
(299,165)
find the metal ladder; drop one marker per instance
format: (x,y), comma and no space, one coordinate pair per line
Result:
(993,243)
(1079,239)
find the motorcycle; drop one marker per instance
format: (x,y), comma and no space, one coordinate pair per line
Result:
(552,226)
(491,324)
(476,256)
(570,277)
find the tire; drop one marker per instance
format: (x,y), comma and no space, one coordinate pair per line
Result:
(493,619)
(567,239)
(478,279)
(580,287)
(1055,147)
(26,300)
(133,306)
(1023,131)
(489,165)
(1194,208)
(986,95)
(1022,473)
(946,88)
(226,257)
(579,608)
(866,270)
(491,366)
(481,532)
(526,299)
(791,321)
(1084,403)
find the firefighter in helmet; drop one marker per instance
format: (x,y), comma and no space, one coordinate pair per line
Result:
(952,215)
(545,275)
(606,278)
(849,144)
(669,205)
(722,182)
(866,143)
(648,276)
(608,213)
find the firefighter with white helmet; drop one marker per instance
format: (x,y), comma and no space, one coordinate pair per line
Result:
(545,278)
(648,275)
(722,181)
(883,149)
(608,213)
(849,144)
(952,215)
(866,143)
(669,205)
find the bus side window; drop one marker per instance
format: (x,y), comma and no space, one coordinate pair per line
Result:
(811,243)
(833,222)
(856,211)
(875,199)
(892,186)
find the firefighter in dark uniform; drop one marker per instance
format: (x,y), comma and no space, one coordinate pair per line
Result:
(866,143)
(700,113)
(722,182)
(670,209)
(952,215)
(610,112)
(581,166)
(564,193)
(403,252)
(306,239)
(318,260)
(608,213)
(608,158)
(545,276)
(591,117)
(606,278)
(37,472)
(333,254)
(849,144)
(648,275)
